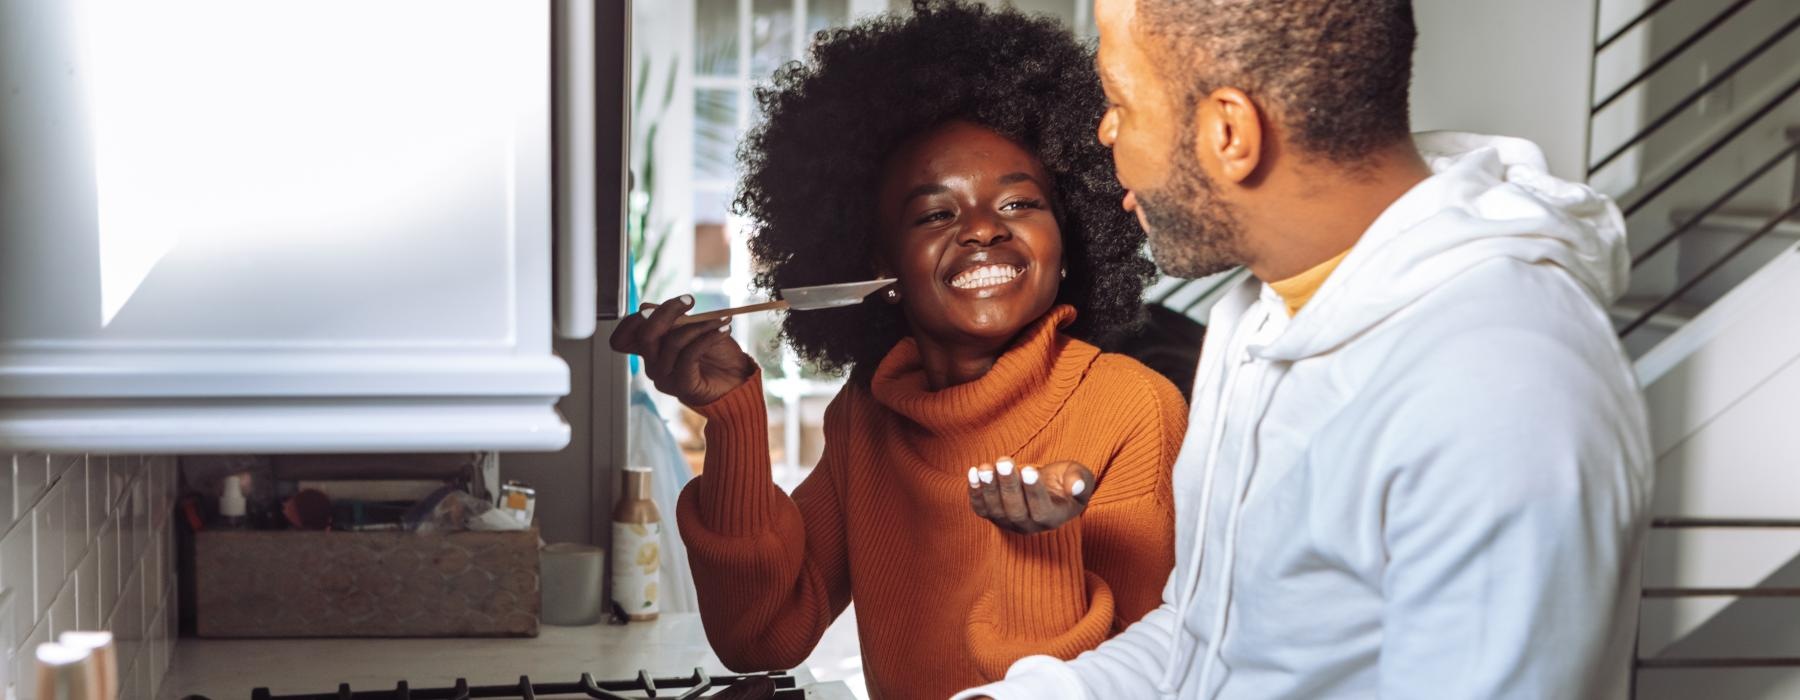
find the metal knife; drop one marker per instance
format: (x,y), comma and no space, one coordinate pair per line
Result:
(824,296)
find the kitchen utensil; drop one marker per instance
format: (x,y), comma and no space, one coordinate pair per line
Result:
(824,296)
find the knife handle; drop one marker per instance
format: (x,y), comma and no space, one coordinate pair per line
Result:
(776,305)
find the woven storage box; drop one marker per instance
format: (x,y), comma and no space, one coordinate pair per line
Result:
(365,584)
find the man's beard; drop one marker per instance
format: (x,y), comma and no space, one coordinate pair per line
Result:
(1192,234)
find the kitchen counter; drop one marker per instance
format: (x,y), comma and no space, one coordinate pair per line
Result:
(671,646)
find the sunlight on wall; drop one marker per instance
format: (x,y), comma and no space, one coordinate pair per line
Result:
(291,122)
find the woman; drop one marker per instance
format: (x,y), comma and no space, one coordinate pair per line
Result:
(992,485)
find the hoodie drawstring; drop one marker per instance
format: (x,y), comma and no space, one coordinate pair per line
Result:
(1246,463)
(1178,666)
(1167,685)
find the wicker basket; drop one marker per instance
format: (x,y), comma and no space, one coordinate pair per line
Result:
(366,584)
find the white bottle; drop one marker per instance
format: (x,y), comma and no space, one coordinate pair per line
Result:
(637,547)
(231,504)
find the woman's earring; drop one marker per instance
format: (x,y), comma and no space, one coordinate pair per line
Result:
(1065,273)
(892,295)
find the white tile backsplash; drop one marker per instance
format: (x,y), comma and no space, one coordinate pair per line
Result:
(31,474)
(6,635)
(8,468)
(62,610)
(73,484)
(18,575)
(23,668)
(87,594)
(85,544)
(96,496)
(47,551)
(108,567)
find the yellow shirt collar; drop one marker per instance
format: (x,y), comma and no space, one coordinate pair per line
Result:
(1299,289)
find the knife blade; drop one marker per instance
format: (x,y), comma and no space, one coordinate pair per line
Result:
(824,296)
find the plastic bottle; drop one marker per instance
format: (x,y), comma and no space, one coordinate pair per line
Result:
(231,504)
(637,544)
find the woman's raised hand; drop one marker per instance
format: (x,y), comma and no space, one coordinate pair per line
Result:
(697,363)
(1030,499)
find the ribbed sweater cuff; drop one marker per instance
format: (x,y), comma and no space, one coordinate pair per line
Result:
(736,492)
(1042,600)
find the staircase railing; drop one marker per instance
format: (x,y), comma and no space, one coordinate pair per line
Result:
(1640,663)
(1646,196)
(1652,192)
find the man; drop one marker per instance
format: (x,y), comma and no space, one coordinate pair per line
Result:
(1417,463)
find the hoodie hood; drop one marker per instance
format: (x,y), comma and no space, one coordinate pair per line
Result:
(1488,197)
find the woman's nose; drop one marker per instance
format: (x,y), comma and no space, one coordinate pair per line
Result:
(984,231)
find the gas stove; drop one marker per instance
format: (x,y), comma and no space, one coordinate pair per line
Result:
(699,684)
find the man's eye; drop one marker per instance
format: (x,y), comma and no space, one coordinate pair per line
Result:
(933,217)
(1022,204)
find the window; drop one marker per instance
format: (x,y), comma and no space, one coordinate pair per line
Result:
(706,57)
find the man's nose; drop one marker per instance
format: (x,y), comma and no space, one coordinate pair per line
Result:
(1109,128)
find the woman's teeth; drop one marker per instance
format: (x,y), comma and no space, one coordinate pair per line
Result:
(985,276)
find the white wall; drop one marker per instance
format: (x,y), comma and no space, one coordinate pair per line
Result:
(1518,68)
(88,545)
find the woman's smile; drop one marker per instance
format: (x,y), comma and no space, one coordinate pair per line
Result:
(986,277)
(986,272)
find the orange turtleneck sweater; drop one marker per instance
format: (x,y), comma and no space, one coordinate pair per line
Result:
(945,599)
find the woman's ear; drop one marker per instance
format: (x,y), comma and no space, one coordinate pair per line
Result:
(890,295)
(878,263)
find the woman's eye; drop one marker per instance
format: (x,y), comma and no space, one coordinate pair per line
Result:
(1018,204)
(933,217)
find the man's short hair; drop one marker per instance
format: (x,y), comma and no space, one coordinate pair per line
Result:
(1334,73)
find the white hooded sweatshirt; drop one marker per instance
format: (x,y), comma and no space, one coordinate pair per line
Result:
(1432,482)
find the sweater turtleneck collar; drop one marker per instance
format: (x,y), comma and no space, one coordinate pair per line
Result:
(1004,408)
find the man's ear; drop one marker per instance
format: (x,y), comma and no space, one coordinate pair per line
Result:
(1228,134)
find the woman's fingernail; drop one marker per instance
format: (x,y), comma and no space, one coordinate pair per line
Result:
(725,327)
(987,477)
(1004,465)
(687,299)
(974,478)
(1077,488)
(1028,475)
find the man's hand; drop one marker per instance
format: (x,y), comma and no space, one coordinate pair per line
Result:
(1030,499)
(698,363)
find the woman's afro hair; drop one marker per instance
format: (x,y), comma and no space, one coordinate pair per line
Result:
(812,167)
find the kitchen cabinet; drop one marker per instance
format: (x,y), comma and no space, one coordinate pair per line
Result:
(302,225)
